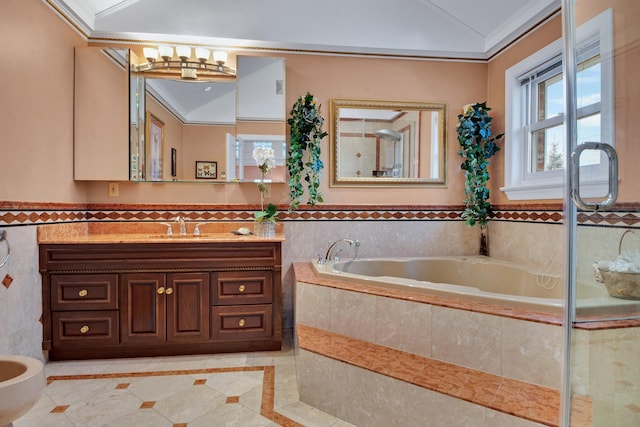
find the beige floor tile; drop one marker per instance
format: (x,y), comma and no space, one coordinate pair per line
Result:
(198,397)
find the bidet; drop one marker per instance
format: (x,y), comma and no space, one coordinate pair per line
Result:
(21,383)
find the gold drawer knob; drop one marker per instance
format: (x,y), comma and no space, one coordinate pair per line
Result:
(160,290)
(169,291)
(241,288)
(83,292)
(241,323)
(84,329)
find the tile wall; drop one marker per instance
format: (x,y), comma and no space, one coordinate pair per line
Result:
(531,236)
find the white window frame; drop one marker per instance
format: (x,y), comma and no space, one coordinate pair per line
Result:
(519,183)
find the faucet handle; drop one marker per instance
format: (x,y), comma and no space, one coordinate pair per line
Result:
(356,249)
(169,229)
(196,230)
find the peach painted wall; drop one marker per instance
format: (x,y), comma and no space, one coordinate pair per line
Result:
(206,143)
(36,104)
(455,83)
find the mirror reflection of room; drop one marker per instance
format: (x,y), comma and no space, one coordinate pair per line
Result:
(378,142)
(201,119)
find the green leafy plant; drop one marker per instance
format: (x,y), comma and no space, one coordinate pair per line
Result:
(267,215)
(303,162)
(478,145)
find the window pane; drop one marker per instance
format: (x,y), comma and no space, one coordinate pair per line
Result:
(589,131)
(550,97)
(547,149)
(588,82)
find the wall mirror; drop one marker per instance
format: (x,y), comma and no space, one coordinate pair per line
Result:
(177,123)
(387,143)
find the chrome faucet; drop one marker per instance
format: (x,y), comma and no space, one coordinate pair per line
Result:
(332,251)
(183,226)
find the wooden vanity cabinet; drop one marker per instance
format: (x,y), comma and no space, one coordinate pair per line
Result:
(126,300)
(242,306)
(158,308)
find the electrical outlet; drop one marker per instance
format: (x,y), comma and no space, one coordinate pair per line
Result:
(267,191)
(114,189)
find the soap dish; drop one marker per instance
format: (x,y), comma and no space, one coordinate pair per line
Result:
(242,231)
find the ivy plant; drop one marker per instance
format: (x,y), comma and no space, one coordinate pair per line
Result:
(303,161)
(478,145)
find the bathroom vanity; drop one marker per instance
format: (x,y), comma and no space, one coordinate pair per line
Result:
(127,295)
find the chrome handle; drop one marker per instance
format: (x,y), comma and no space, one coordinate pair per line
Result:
(160,290)
(83,293)
(169,291)
(575,176)
(84,329)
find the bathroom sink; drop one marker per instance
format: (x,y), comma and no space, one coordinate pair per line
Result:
(21,383)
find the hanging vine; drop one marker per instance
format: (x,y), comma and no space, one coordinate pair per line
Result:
(478,145)
(303,161)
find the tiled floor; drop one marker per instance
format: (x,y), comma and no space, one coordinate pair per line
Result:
(240,389)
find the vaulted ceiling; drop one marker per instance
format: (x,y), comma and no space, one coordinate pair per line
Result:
(462,29)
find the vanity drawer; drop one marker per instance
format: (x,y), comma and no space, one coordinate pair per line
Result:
(241,322)
(84,292)
(242,287)
(85,328)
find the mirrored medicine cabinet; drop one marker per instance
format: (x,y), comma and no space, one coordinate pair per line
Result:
(132,125)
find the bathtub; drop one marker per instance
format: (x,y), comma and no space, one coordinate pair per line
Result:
(472,278)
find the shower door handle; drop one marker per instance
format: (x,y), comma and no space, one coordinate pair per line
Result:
(575,176)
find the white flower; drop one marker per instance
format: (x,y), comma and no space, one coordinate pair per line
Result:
(265,158)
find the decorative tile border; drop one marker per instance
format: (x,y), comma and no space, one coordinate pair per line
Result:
(528,216)
(267,405)
(26,217)
(26,213)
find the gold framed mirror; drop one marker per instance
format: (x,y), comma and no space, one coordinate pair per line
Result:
(387,143)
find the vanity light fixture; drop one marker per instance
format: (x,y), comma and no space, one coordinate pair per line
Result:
(161,60)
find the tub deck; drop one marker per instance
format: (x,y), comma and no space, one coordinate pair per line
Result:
(476,279)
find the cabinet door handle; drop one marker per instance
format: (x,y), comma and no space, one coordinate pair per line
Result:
(169,291)
(160,290)
(84,329)
(241,288)
(241,323)
(83,293)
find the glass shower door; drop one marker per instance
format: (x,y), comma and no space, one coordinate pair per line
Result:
(602,368)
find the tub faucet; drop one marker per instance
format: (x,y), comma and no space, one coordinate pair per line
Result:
(183,226)
(332,251)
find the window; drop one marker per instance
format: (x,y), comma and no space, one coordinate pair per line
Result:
(535,135)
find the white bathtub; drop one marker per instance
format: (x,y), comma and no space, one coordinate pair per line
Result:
(473,278)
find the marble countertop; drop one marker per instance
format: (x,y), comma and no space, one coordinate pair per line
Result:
(148,232)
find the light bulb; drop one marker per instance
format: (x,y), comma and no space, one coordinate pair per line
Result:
(166,52)
(184,52)
(203,54)
(151,53)
(220,57)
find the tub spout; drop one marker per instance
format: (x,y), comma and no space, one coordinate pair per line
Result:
(332,251)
